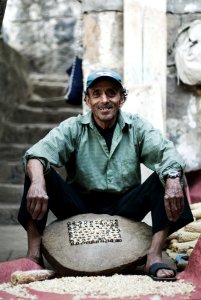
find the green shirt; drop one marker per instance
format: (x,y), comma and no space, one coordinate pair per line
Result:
(77,144)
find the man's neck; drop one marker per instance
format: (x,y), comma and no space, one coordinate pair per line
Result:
(105,125)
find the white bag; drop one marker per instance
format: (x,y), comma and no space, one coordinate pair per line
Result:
(188,53)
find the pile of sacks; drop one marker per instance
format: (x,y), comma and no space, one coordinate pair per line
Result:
(180,244)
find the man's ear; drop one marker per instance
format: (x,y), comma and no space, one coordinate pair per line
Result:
(122,100)
(87,100)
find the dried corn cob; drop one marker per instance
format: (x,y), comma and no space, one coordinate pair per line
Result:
(187,236)
(173,243)
(195,205)
(20,277)
(189,251)
(173,236)
(183,247)
(197,213)
(193,227)
(171,254)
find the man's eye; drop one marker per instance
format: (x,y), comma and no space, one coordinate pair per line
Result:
(96,93)
(111,93)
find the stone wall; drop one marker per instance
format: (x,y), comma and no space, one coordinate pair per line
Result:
(14,87)
(45,32)
(183,101)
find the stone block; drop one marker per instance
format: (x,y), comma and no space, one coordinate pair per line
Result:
(25,114)
(56,102)
(95,5)
(187,141)
(44,32)
(12,152)
(177,95)
(49,89)
(8,214)
(92,244)
(14,85)
(145,100)
(173,24)
(103,41)
(25,133)
(188,18)
(144,63)
(183,6)
(11,172)
(183,123)
(10,193)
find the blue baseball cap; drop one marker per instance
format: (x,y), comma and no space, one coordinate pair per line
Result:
(103,73)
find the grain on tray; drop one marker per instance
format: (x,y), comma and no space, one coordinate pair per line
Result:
(116,286)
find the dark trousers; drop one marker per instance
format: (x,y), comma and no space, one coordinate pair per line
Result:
(65,201)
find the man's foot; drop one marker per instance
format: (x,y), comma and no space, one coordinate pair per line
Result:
(161,272)
(154,265)
(156,268)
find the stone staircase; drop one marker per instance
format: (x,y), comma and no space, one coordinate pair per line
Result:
(30,122)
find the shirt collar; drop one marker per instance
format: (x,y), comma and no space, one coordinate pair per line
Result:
(123,119)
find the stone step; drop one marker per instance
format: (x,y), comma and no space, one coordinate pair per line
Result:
(53,102)
(35,77)
(12,172)
(27,114)
(12,152)
(47,89)
(8,214)
(25,133)
(10,193)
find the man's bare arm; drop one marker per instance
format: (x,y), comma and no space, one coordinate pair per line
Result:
(37,198)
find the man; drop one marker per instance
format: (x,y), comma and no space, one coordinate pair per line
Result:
(102,151)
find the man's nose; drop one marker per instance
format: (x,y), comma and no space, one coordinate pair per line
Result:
(104,97)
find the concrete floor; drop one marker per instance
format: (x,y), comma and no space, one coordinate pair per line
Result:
(13,242)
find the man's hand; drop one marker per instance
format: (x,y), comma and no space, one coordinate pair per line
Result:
(173,199)
(37,198)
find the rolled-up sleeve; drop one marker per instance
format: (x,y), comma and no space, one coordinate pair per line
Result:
(158,153)
(56,147)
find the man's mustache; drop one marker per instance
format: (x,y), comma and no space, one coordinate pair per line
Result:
(107,106)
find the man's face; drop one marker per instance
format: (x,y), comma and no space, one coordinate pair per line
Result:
(104,99)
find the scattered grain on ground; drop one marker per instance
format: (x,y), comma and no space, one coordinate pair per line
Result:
(17,290)
(116,286)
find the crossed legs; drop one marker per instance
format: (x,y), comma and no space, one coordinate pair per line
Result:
(154,254)
(131,204)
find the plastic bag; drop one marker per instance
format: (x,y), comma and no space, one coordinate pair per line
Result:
(188,54)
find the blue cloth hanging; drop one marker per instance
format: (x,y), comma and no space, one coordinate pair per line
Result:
(74,92)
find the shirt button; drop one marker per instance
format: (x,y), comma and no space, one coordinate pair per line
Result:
(109,180)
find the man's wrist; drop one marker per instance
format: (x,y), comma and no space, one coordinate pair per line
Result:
(173,174)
